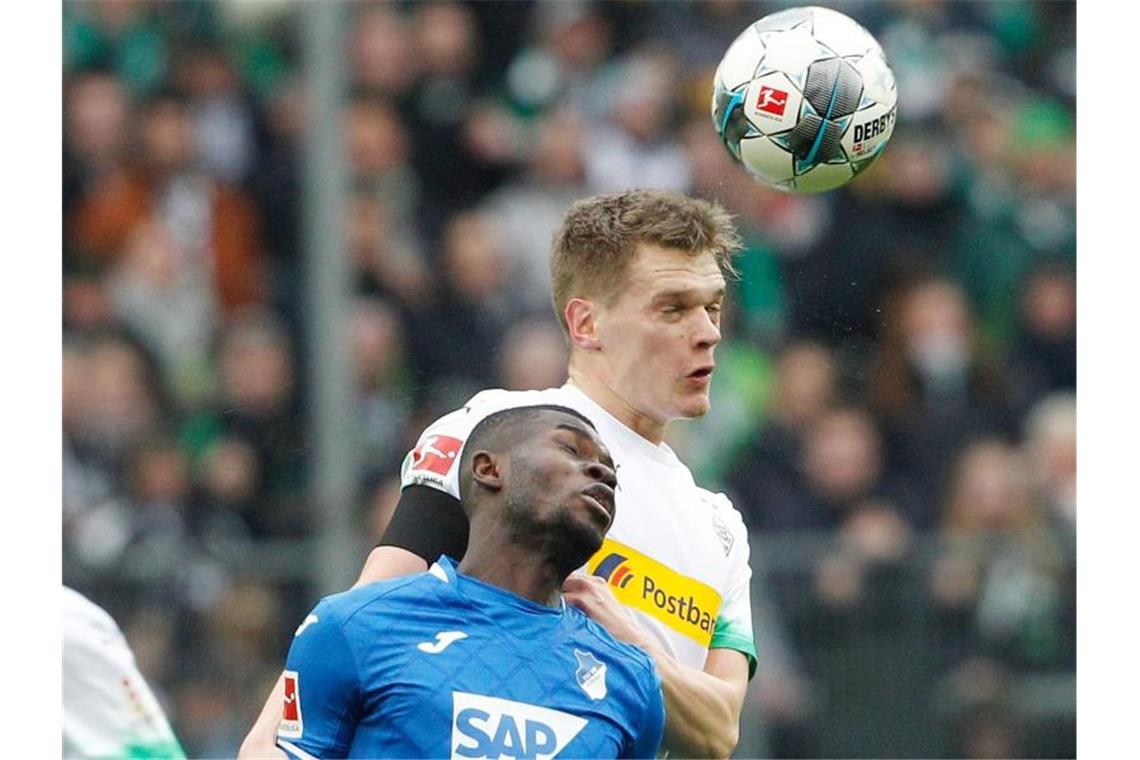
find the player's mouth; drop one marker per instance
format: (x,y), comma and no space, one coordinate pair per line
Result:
(603,497)
(701,376)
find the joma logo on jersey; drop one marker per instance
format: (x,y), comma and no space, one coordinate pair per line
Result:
(614,570)
(486,727)
(685,604)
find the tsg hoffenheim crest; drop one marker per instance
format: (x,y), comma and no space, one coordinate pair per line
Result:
(591,675)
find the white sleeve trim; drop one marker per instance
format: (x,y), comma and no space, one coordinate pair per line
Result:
(291,747)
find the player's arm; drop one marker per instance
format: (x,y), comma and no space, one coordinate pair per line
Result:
(261,741)
(427,522)
(322,688)
(651,727)
(702,707)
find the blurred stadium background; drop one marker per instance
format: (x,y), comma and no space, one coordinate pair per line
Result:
(894,408)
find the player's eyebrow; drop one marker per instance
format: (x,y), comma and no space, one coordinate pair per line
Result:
(685,294)
(576,429)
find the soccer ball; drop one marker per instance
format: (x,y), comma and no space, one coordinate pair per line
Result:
(804,99)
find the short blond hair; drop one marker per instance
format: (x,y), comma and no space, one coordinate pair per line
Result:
(600,235)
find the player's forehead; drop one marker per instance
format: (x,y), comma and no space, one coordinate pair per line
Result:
(554,421)
(655,270)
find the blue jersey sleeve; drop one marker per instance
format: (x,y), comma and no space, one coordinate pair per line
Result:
(322,689)
(651,728)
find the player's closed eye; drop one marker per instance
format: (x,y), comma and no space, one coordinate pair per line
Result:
(572,448)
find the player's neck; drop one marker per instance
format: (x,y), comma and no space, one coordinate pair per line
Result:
(520,572)
(649,428)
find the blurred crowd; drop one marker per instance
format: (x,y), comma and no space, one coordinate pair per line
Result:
(896,384)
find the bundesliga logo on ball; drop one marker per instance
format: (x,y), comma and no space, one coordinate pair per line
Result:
(804,99)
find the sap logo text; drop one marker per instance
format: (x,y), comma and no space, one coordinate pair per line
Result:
(486,727)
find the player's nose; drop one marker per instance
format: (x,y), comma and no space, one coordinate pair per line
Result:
(706,334)
(602,473)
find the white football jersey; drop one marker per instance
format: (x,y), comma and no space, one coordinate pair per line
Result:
(108,709)
(676,554)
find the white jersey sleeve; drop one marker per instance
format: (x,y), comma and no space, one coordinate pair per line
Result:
(108,709)
(733,628)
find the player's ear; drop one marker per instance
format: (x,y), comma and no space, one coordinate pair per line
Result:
(582,323)
(485,470)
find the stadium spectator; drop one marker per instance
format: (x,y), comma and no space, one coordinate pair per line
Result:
(227,509)
(379,156)
(932,387)
(569,46)
(446,39)
(115,400)
(258,404)
(276,189)
(635,145)
(88,307)
(213,228)
(227,127)
(995,520)
(126,37)
(160,496)
(96,118)
(458,331)
(383,58)
(1051,446)
(528,210)
(382,379)
(386,260)
(532,356)
(1043,354)
(804,388)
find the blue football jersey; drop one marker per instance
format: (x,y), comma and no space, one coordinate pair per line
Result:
(442,665)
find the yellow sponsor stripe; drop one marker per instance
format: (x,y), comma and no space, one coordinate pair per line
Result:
(685,604)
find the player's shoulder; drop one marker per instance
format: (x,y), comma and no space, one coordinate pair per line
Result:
(389,597)
(78,607)
(721,505)
(633,658)
(80,614)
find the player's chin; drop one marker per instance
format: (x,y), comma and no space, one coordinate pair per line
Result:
(592,527)
(694,404)
(580,538)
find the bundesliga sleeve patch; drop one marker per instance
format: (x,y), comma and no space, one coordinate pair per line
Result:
(436,454)
(292,725)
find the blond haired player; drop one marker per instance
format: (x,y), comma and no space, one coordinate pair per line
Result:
(638,282)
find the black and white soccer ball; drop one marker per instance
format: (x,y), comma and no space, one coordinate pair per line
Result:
(804,99)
